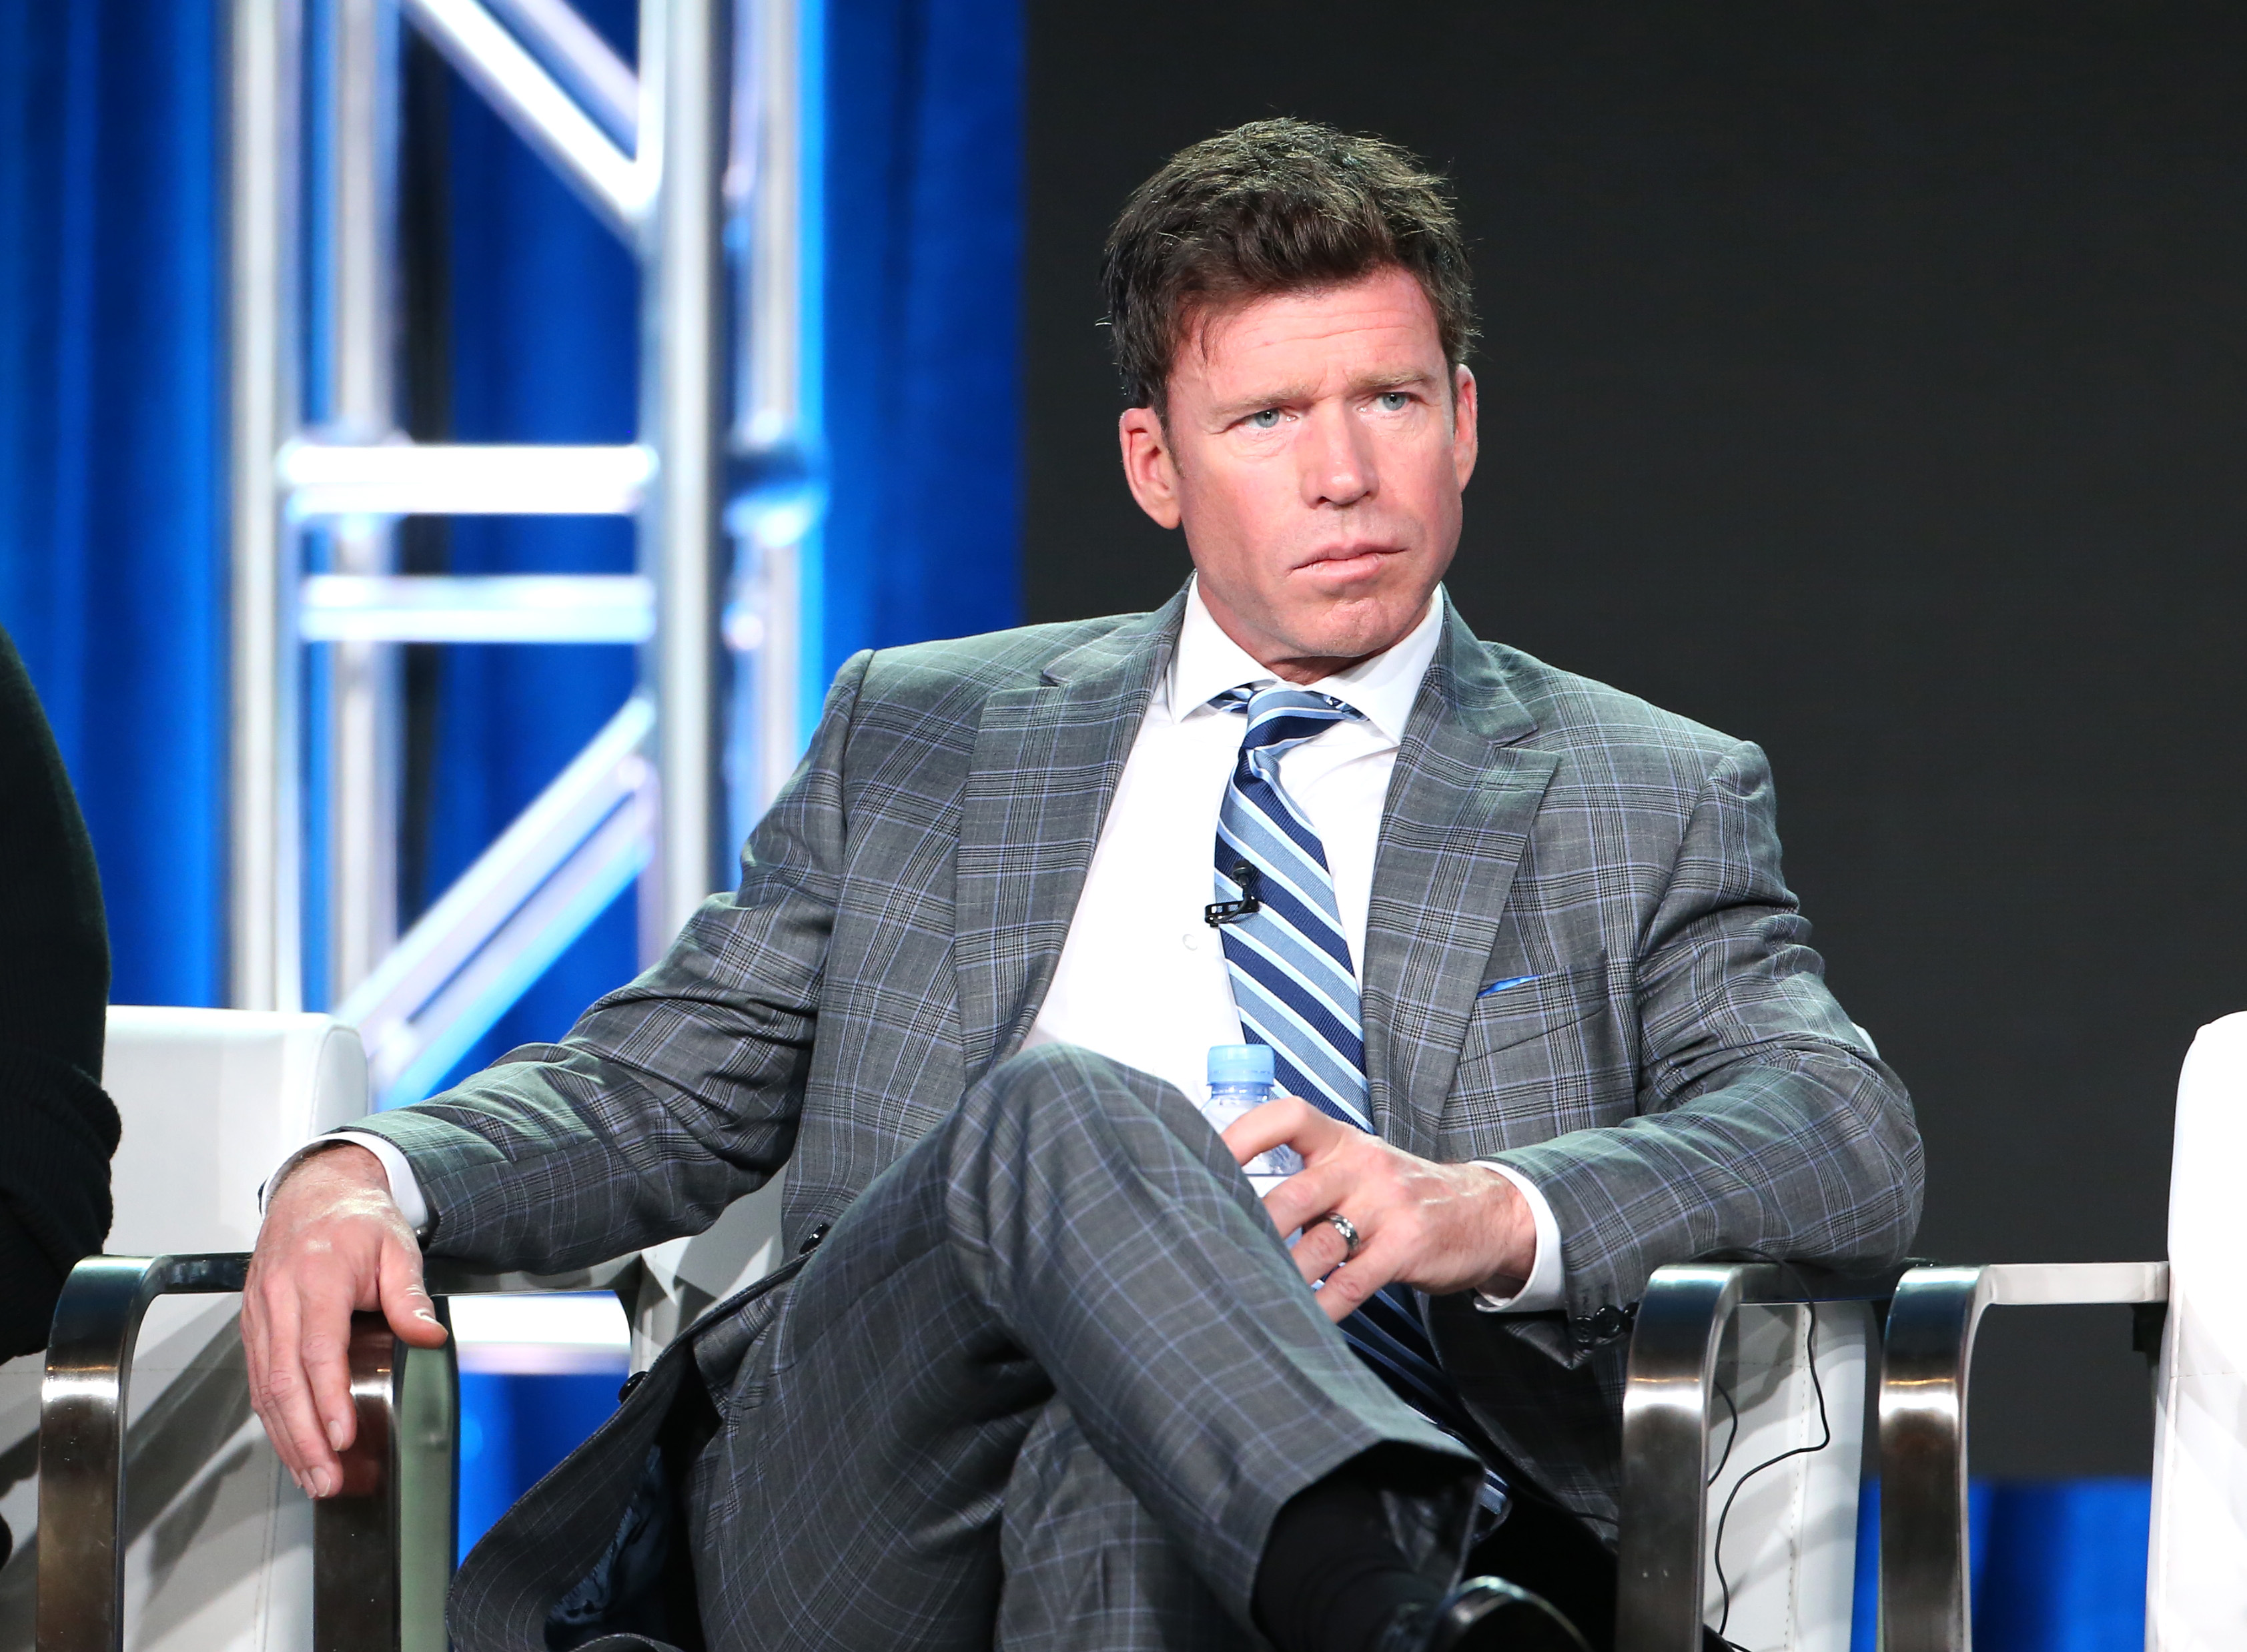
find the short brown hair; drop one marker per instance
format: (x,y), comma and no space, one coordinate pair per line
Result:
(1274,206)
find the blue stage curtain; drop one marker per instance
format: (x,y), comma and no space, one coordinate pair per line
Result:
(923,241)
(2058,1566)
(112,460)
(515,1428)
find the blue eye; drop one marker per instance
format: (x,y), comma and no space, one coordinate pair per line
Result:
(1394,401)
(1268,420)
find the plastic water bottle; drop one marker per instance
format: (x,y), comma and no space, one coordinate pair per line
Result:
(1240,1079)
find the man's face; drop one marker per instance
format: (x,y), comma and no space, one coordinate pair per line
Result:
(1315,451)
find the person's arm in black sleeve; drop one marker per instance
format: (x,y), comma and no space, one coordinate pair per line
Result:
(59,1127)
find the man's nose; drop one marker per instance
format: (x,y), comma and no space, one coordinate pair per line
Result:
(1338,467)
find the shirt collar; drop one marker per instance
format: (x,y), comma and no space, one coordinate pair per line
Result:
(1383,686)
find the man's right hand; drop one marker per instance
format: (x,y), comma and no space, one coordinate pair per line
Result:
(333,1243)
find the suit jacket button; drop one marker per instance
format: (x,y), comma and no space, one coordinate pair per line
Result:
(1607,1322)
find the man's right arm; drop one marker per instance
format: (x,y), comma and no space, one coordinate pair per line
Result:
(671,1098)
(673,1095)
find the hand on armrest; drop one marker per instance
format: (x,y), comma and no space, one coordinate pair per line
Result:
(333,1243)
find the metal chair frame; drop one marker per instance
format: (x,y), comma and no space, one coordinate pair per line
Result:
(1926,1603)
(1668,1413)
(383,1545)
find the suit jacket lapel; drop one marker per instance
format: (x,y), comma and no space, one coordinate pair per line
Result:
(1459,815)
(1046,764)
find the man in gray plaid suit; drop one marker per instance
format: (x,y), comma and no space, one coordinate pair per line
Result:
(1043,1371)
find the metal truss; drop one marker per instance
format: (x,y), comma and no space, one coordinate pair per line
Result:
(706,133)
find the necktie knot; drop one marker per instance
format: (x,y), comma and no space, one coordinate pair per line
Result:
(1281,715)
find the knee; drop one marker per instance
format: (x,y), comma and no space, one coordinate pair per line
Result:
(1060,1105)
(1055,1081)
(1065,1086)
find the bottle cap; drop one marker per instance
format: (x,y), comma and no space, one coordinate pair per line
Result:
(1240,1063)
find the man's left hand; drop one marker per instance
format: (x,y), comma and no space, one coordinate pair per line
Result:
(1440,1228)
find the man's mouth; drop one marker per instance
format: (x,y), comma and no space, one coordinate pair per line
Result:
(1347,561)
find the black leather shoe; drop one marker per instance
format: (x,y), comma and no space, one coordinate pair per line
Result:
(1483,1614)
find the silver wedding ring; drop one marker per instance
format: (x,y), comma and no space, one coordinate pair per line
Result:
(1347,1228)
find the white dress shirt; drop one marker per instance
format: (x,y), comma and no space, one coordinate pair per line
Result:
(1142,979)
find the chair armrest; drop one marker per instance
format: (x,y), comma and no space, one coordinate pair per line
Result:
(378,1578)
(1932,1324)
(1668,1401)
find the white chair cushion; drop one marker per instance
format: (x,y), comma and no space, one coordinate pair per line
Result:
(2197,1573)
(211,1101)
(1790,1549)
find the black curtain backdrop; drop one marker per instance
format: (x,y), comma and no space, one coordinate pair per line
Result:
(1865,380)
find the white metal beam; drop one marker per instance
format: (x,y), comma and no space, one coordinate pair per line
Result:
(264,939)
(354,270)
(774,397)
(575,50)
(402,478)
(535,105)
(487,608)
(647,150)
(685,53)
(410,1062)
(511,913)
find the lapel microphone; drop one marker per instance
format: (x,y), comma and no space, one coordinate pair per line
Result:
(1217,914)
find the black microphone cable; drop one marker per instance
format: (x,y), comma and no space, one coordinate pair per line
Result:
(1826,1432)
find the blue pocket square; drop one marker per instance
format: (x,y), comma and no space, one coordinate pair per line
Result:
(1499,987)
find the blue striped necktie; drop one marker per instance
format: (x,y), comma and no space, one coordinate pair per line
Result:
(1296,989)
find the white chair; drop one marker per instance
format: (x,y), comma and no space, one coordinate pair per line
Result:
(208,1102)
(2196,1561)
(2197,1571)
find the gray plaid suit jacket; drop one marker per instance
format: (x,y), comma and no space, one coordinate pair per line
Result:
(1673,1074)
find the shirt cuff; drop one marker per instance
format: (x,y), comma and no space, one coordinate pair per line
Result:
(404,1190)
(1542,1292)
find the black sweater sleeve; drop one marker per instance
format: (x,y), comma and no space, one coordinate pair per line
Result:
(58,1126)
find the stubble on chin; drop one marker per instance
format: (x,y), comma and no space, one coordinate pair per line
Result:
(1337,639)
(1354,627)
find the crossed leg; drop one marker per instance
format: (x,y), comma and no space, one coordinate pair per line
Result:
(1072,1231)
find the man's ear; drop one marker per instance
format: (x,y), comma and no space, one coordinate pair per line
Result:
(1467,439)
(1148,466)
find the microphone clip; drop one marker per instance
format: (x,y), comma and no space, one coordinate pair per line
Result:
(1218,914)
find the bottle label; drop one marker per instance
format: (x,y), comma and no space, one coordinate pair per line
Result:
(1229,1101)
